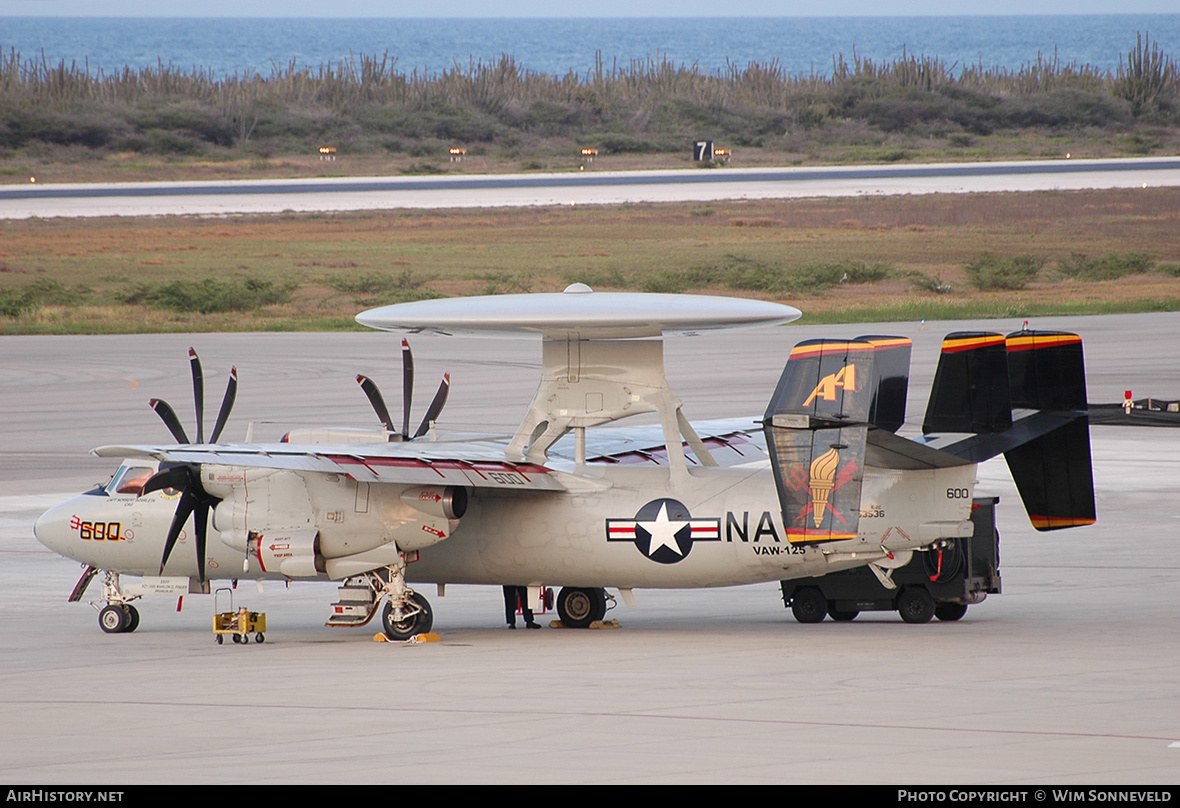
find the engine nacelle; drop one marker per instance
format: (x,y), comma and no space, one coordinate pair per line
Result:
(289,552)
(335,435)
(447,501)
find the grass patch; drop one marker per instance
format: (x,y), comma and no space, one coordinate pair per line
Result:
(310,271)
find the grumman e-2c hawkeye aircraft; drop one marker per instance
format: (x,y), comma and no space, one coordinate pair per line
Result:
(821,483)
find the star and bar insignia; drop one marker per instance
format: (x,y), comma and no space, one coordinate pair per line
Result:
(664,531)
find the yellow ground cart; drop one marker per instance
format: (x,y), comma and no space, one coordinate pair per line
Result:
(237,623)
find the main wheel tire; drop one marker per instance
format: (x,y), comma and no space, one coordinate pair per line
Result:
(578,608)
(410,626)
(132,617)
(950,611)
(112,619)
(915,605)
(809,605)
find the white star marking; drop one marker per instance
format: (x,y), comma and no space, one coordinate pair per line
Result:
(663,531)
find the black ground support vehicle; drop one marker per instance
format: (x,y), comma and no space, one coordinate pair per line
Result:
(941,582)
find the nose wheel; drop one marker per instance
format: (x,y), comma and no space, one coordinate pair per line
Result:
(118,618)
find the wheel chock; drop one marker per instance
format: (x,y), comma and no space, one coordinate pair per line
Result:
(417,638)
(597,624)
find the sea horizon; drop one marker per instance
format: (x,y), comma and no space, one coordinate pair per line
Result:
(245,46)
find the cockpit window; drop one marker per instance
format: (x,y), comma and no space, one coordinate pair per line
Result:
(130,479)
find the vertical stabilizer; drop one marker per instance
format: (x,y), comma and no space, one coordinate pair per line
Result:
(817,424)
(971,388)
(1052,472)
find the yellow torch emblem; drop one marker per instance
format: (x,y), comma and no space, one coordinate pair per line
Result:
(823,475)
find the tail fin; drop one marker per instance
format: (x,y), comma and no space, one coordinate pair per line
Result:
(970,392)
(1053,473)
(1023,396)
(817,425)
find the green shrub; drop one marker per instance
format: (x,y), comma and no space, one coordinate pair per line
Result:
(41,292)
(1109,267)
(209,296)
(373,283)
(987,271)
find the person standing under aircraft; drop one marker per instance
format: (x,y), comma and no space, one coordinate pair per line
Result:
(512,596)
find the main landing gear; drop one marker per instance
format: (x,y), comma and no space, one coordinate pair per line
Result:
(406,614)
(578,608)
(408,619)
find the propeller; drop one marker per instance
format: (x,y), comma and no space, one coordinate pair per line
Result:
(194,500)
(168,415)
(378,402)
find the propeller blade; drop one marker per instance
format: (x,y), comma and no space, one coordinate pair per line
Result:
(201,525)
(378,403)
(227,404)
(178,478)
(184,509)
(407,385)
(432,412)
(168,416)
(198,393)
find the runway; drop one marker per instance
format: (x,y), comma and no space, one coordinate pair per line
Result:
(1069,676)
(583,188)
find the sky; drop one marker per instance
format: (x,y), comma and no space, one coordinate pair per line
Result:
(596,8)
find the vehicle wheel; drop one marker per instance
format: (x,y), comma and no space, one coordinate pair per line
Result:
(841,617)
(132,617)
(220,639)
(808,605)
(915,605)
(950,611)
(258,638)
(578,608)
(237,639)
(112,619)
(410,626)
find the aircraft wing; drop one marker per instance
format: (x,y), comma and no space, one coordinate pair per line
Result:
(422,463)
(731,441)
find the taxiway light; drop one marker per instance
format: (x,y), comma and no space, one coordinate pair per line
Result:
(457,153)
(327,152)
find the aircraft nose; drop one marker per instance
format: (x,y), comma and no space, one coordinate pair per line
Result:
(57,528)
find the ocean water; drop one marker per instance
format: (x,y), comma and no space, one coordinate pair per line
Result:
(558,46)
